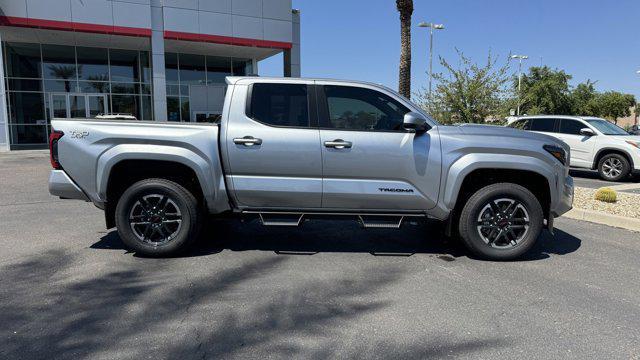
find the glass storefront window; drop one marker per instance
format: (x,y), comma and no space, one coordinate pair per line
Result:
(60,86)
(93,64)
(25,85)
(23,60)
(59,62)
(173,108)
(217,69)
(185,114)
(145,65)
(93,87)
(192,69)
(28,134)
(171,67)
(125,104)
(124,88)
(146,112)
(124,65)
(26,108)
(242,67)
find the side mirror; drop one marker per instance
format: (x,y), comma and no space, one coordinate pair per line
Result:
(586,132)
(415,122)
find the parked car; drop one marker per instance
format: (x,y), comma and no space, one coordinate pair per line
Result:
(287,150)
(595,143)
(635,130)
(117,116)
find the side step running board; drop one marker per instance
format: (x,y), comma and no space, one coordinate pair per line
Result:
(373,221)
(281,219)
(366,220)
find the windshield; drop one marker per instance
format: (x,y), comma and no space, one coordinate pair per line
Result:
(606,127)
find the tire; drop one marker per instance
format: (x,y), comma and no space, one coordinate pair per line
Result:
(166,218)
(613,167)
(488,237)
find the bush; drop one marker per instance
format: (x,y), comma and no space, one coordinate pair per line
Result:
(607,195)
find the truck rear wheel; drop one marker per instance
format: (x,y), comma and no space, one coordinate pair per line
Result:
(157,217)
(501,222)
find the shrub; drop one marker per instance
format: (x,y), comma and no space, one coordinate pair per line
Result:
(606,195)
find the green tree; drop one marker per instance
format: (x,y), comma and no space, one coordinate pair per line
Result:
(405,8)
(470,93)
(582,99)
(545,91)
(613,105)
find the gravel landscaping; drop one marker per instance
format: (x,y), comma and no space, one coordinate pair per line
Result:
(628,205)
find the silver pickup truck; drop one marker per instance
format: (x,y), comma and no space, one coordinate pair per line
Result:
(288,150)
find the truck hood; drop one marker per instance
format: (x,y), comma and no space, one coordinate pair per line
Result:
(492,131)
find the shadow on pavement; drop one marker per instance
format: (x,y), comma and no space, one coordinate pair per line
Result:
(55,306)
(343,237)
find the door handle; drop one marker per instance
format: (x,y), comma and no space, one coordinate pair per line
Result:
(247,141)
(338,144)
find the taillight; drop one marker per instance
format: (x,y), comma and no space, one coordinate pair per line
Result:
(53,148)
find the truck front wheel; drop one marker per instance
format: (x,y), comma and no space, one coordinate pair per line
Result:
(501,221)
(157,217)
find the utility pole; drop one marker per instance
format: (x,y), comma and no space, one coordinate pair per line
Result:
(520,58)
(431,27)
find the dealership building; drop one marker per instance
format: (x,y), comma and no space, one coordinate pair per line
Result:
(162,60)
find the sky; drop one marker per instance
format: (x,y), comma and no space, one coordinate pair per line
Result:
(360,40)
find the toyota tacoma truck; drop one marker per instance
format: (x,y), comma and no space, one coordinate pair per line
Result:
(288,150)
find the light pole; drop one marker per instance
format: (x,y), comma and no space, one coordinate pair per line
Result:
(520,58)
(431,27)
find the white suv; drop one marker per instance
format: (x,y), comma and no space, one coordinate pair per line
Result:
(595,143)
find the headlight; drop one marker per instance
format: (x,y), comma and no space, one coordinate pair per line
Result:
(557,152)
(633,143)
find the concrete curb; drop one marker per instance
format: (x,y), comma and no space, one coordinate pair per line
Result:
(604,219)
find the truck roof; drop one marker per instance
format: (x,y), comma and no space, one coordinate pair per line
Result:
(232,80)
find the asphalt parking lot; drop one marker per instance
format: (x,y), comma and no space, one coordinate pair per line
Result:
(591,179)
(68,289)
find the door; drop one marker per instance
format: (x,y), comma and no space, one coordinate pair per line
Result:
(59,107)
(369,160)
(273,147)
(64,105)
(77,106)
(96,105)
(582,147)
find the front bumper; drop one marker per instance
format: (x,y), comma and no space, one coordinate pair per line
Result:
(565,197)
(62,186)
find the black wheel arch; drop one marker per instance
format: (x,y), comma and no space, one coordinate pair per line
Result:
(608,150)
(127,172)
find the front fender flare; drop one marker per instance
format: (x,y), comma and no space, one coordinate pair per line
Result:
(466,164)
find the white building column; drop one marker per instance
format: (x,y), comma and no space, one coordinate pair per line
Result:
(292,57)
(157,62)
(4,115)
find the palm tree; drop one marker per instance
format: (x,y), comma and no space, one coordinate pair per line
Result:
(405,8)
(64,72)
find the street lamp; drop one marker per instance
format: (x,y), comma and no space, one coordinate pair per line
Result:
(431,27)
(520,58)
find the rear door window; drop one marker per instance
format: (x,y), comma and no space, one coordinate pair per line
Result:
(280,104)
(545,125)
(571,127)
